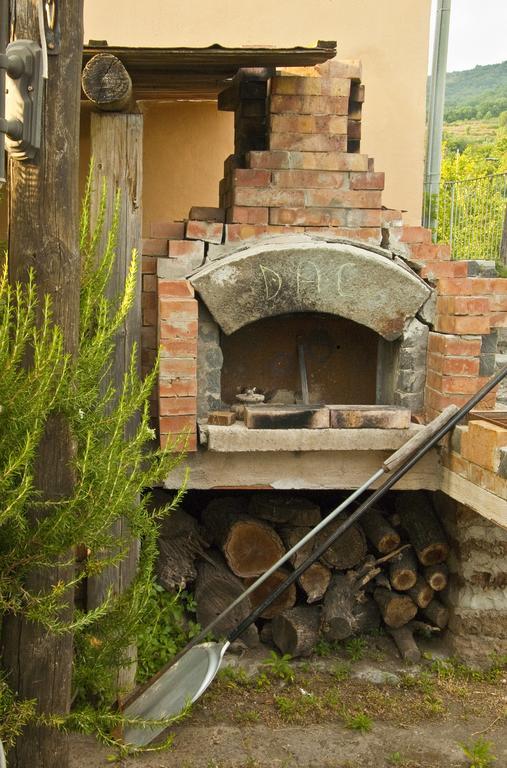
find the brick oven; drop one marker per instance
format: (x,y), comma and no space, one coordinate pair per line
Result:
(302,261)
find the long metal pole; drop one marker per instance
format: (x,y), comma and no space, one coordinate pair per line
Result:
(436,108)
(376,495)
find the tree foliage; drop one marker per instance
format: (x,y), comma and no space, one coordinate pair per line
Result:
(112,468)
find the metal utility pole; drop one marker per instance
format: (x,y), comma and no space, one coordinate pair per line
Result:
(43,234)
(436,112)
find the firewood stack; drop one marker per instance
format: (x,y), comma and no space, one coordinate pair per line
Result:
(387,570)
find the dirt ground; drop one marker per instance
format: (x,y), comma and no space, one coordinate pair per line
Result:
(355,706)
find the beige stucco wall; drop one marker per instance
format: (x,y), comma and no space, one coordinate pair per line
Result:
(389,36)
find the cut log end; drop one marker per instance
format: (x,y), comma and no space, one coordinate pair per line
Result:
(106,83)
(286,600)
(396,609)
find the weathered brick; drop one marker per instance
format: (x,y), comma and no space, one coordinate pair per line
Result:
(457,463)
(176,288)
(326,124)
(438,269)
(310,179)
(178,387)
(154,246)
(475,324)
(482,442)
(434,252)
(364,217)
(173,230)
(175,347)
(319,161)
(174,368)
(335,68)
(177,406)
(177,424)
(498,319)
(498,303)
(454,366)
(355,110)
(308,142)
(251,177)
(438,400)
(463,305)
(392,218)
(268,197)
(313,217)
(454,345)
(203,213)
(330,198)
(310,105)
(238,232)
(247,215)
(415,235)
(179,441)
(190,248)
(357,92)
(367,180)
(462,385)
(177,307)
(310,86)
(149,308)
(371,235)
(208,231)
(354,129)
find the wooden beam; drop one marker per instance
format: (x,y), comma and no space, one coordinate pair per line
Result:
(44,235)
(201,73)
(107,83)
(116,146)
(487,504)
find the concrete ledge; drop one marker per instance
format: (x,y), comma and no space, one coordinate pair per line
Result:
(238,439)
(305,470)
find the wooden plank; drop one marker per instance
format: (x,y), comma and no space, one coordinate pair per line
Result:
(43,235)
(368,417)
(116,146)
(286,417)
(487,504)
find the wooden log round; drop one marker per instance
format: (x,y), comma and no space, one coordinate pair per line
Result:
(403,570)
(396,609)
(314,582)
(407,646)
(106,82)
(180,544)
(421,593)
(296,630)
(379,532)
(422,527)
(436,613)
(250,546)
(286,600)
(216,588)
(284,510)
(347,551)
(337,618)
(367,616)
(437,576)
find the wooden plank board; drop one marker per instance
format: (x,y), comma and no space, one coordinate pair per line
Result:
(498,417)
(368,417)
(286,417)
(487,504)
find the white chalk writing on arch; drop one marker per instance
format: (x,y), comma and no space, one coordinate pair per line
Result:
(308,279)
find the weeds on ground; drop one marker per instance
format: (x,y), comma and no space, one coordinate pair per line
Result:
(479,753)
(360,722)
(356,648)
(280,667)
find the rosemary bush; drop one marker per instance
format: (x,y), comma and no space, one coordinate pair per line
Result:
(113,466)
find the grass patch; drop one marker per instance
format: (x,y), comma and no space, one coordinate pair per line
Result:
(360,722)
(479,753)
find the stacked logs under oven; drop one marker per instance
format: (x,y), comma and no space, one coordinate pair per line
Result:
(386,571)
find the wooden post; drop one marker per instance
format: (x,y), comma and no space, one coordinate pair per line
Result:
(116,147)
(44,234)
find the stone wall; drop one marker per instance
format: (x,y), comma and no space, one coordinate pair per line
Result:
(477,595)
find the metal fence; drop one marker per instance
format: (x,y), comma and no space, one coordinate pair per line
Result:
(470,216)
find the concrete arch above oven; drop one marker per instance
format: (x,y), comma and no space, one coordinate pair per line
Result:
(300,274)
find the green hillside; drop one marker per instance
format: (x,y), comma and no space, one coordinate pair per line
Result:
(475,94)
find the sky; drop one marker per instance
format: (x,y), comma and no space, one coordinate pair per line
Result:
(478,33)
